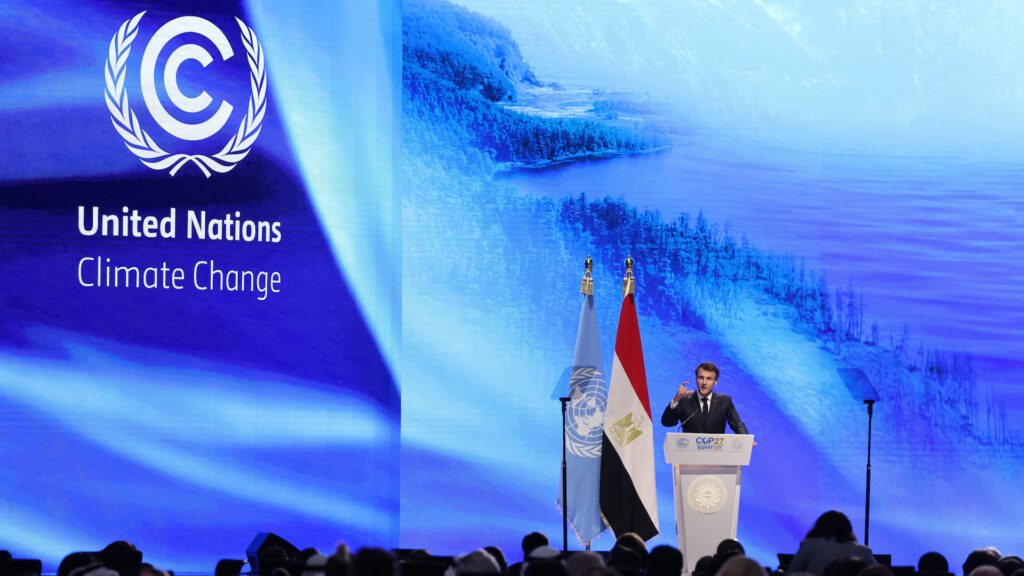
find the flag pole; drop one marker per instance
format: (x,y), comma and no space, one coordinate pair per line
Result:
(587,285)
(628,282)
(565,483)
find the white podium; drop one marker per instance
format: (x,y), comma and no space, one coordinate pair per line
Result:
(706,481)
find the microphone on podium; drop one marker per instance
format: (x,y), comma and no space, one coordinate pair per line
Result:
(687,420)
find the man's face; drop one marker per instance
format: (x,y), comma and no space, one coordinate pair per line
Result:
(706,380)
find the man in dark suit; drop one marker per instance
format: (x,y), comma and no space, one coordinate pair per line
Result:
(703,412)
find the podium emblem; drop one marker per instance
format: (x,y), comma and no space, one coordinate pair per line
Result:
(706,494)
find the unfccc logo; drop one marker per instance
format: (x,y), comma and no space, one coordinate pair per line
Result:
(137,140)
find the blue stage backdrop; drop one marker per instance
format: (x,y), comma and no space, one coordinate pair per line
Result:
(199,235)
(804,188)
(313,268)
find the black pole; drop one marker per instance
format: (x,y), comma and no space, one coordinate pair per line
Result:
(565,483)
(867,494)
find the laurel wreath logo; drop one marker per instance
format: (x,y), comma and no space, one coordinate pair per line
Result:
(138,140)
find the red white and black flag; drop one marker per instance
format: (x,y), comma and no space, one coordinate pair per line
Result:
(628,499)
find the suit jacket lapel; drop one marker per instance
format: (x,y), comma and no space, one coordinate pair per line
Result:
(712,419)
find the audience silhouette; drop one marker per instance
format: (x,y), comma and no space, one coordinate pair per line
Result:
(830,548)
(981,557)
(933,564)
(829,539)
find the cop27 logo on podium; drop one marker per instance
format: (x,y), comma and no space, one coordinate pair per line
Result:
(138,140)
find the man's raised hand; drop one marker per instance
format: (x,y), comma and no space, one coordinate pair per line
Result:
(681,393)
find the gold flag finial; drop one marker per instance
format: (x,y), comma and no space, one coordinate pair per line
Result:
(587,285)
(628,283)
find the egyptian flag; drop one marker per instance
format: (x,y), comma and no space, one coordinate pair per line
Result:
(629,502)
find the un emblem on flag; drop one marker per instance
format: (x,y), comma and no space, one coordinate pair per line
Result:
(585,416)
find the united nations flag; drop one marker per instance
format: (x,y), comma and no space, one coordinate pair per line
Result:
(583,429)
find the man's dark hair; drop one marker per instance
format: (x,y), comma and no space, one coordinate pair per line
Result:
(533,540)
(835,525)
(729,547)
(664,561)
(499,557)
(933,563)
(75,560)
(626,561)
(338,563)
(981,557)
(372,562)
(707,367)
(122,557)
(633,542)
(726,549)
(704,564)
(120,546)
(1009,564)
